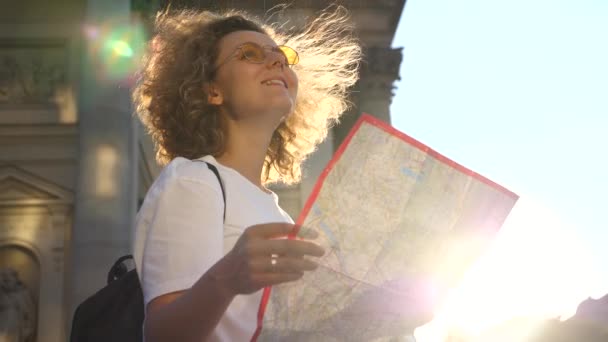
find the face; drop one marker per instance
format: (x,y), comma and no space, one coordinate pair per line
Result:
(246,90)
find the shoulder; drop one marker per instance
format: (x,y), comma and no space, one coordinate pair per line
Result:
(179,178)
(182,170)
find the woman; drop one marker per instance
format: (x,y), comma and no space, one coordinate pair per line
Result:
(233,92)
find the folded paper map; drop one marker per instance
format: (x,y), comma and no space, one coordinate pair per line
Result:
(400,223)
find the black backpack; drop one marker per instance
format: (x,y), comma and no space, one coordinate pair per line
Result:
(116,312)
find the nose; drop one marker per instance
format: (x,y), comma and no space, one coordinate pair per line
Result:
(274,59)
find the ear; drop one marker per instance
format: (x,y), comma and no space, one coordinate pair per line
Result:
(214,95)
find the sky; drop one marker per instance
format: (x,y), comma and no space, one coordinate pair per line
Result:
(518,92)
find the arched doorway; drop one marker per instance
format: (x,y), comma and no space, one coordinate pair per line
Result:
(19,293)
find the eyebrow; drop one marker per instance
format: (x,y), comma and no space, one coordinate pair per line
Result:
(256,43)
(276,48)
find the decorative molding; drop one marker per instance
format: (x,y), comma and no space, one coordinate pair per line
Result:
(42,144)
(383,61)
(50,130)
(28,246)
(32,71)
(379,72)
(34,197)
(19,187)
(12,189)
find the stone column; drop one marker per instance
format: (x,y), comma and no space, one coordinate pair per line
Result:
(106,188)
(373,92)
(61,222)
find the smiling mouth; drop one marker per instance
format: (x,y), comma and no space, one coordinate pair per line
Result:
(275,83)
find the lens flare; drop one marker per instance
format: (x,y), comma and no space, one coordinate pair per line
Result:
(121,48)
(115,48)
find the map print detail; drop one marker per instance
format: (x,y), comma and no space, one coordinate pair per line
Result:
(400,223)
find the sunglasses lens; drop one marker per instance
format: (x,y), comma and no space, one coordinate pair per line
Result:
(253,53)
(290,54)
(256,54)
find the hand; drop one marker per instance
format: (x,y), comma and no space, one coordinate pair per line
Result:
(262,257)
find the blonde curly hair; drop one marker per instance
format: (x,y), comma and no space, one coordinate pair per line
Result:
(171,100)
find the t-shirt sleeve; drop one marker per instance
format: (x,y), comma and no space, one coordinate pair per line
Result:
(184,236)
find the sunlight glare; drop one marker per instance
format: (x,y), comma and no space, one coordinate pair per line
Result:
(537,268)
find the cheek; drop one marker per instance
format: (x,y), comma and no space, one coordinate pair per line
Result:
(293,86)
(240,81)
(293,92)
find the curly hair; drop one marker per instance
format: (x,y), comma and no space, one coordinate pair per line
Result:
(171,100)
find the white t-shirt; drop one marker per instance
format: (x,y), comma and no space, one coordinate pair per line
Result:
(180,233)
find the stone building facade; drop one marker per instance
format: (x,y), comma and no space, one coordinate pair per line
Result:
(74,162)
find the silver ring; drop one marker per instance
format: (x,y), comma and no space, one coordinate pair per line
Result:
(273,259)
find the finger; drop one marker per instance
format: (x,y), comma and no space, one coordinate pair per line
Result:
(270,230)
(286,248)
(269,279)
(282,265)
(308,233)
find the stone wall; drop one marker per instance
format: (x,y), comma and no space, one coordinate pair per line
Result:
(39,58)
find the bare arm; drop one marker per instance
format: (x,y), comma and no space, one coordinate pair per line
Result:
(187,315)
(193,314)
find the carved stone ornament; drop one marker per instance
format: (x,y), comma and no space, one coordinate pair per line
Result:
(31,71)
(17,309)
(378,73)
(382,61)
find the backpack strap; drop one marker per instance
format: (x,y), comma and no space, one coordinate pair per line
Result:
(219,179)
(119,269)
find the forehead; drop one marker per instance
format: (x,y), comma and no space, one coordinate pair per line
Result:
(230,41)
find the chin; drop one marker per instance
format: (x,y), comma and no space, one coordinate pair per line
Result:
(282,109)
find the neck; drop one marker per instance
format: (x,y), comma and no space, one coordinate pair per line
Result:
(245,151)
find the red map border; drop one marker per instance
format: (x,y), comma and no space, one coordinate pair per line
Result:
(369,119)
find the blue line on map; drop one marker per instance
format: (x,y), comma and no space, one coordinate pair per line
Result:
(409,172)
(328,232)
(324,226)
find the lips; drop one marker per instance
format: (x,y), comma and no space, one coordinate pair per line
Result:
(275,81)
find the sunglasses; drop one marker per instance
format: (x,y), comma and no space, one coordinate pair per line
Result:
(255,53)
